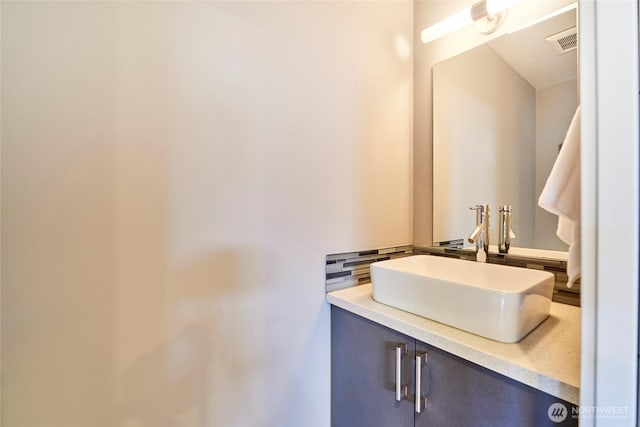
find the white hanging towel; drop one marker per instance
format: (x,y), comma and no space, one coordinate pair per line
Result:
(561,196)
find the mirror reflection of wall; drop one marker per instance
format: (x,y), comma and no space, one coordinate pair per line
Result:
(500,112)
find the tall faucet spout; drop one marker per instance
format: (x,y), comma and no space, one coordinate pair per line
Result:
(480,234)
(473,237)
(505,233)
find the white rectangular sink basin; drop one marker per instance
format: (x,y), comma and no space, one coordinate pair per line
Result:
(495,301)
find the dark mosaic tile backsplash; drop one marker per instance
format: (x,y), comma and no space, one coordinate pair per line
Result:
(352,268)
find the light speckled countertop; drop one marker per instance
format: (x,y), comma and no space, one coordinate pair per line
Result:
(547,359)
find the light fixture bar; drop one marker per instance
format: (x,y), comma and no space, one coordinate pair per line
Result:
(496,6)
(453,23)
(490,9)
(571,6)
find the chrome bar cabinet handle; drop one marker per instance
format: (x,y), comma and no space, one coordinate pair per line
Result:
(401,390)
(421,402)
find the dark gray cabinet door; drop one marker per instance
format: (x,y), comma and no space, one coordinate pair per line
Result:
(459,393)
(463,394)
(363,360)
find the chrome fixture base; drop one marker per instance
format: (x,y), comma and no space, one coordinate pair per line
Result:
(484,22)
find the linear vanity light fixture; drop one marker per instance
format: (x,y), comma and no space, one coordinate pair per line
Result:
(488,15)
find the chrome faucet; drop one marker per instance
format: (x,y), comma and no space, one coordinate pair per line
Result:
(505,233)
(480,234)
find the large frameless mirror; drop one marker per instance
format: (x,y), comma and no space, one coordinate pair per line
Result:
(500,114)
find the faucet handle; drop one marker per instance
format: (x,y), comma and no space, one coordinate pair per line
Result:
(482,212)
(479,207)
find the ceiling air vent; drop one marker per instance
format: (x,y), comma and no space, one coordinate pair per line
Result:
(564,41)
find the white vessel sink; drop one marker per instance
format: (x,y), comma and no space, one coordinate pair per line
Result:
(494,301)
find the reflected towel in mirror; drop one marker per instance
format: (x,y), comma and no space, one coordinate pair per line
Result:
(561,196)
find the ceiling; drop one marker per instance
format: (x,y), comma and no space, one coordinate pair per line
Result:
(532,57)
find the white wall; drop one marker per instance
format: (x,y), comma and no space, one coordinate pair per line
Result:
(553,116)
(172,176)
(483,143)
(610,218)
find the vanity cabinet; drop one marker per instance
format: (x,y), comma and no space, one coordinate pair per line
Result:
(458,392)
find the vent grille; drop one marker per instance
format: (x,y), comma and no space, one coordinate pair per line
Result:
(564,41)
(569,42)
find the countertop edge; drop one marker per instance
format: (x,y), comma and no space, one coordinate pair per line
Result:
(501,365)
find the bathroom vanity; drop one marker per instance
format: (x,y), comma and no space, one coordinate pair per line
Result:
(394,368)
(381,355)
